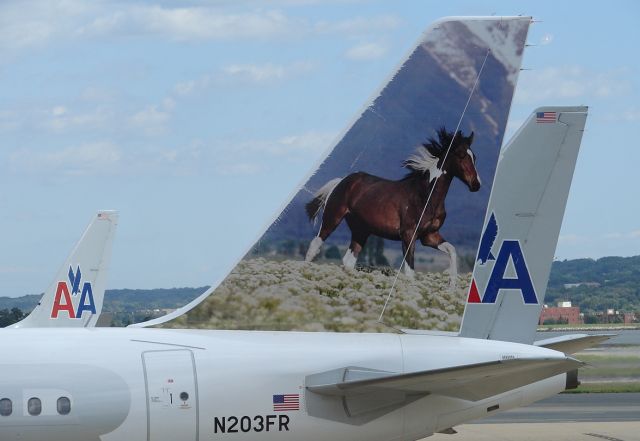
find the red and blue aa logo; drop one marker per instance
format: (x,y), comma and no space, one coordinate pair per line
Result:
(65,292)
(510,251)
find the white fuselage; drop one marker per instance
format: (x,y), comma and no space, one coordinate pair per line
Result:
(165,385)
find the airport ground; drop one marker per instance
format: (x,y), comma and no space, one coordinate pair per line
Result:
(614,365)
(565,417)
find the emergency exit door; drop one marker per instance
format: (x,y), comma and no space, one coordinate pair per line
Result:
(172,396)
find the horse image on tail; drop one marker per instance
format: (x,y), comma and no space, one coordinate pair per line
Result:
(392,209)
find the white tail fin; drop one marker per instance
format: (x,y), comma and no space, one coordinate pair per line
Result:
(75,297)
(522,225)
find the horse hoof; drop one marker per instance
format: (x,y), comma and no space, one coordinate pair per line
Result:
(409,273)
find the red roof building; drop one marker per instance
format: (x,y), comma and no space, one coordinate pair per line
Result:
(561,313)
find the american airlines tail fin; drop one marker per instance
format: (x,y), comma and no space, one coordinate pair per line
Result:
(432,132)
(75,298)
(522,225)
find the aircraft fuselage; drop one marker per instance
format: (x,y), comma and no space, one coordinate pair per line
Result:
(163,385)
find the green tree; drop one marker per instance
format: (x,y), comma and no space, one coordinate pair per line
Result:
(9,317)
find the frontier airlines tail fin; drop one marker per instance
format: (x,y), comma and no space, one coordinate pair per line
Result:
(75,297)
(432,132)
(522,225)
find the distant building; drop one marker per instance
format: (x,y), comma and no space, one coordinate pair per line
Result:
(587,284)
(564,312)
(629,317)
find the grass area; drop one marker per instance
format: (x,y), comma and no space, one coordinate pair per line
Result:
(605,358)
(612,365)
(586,388)
(611,372)
(584,326)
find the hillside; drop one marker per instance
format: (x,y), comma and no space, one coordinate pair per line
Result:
(613,282)
(121,300)
(332,301)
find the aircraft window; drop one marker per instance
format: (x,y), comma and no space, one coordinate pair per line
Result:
(64,406)
(184,396)
(6,407)
(34,406)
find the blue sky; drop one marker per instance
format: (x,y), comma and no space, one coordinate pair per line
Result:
(196,120)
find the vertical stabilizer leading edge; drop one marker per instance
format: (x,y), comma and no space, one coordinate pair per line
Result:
(522,225)
(75,298)
(376,203)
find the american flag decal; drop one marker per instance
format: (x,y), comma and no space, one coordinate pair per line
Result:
(546,117)
(286,402)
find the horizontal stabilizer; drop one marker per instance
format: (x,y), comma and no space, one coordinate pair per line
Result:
(570,344)
(471,382)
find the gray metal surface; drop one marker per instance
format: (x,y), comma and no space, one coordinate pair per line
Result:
(574,407)
(526,208)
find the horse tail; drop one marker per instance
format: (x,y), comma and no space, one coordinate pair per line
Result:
(320,198)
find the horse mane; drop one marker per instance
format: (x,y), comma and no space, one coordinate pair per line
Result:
(426,157)
(422,161)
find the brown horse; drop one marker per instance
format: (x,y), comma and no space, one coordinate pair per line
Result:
(392,209)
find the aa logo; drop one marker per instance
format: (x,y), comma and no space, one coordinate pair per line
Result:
(66,292)
(509,256)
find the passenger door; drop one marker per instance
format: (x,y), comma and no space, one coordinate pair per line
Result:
(172,396)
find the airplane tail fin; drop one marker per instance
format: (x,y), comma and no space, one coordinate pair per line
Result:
(75,298)
(522,225)
(452,91)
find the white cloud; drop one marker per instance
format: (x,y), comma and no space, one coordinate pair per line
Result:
(211,23)
(189,23)
(244,73)
(233,157)
(153,119)
(310,142)
(85,159)
(60,118)
(8,121)
(297,145)
(262,73)
(97,94)
(359,25)
(59,110)
(572,239)
(186,87)
(16,270)
(631,115)
(31,23)
(622,235)
(366,52)
(556,83)
(238,168)
(37,22)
